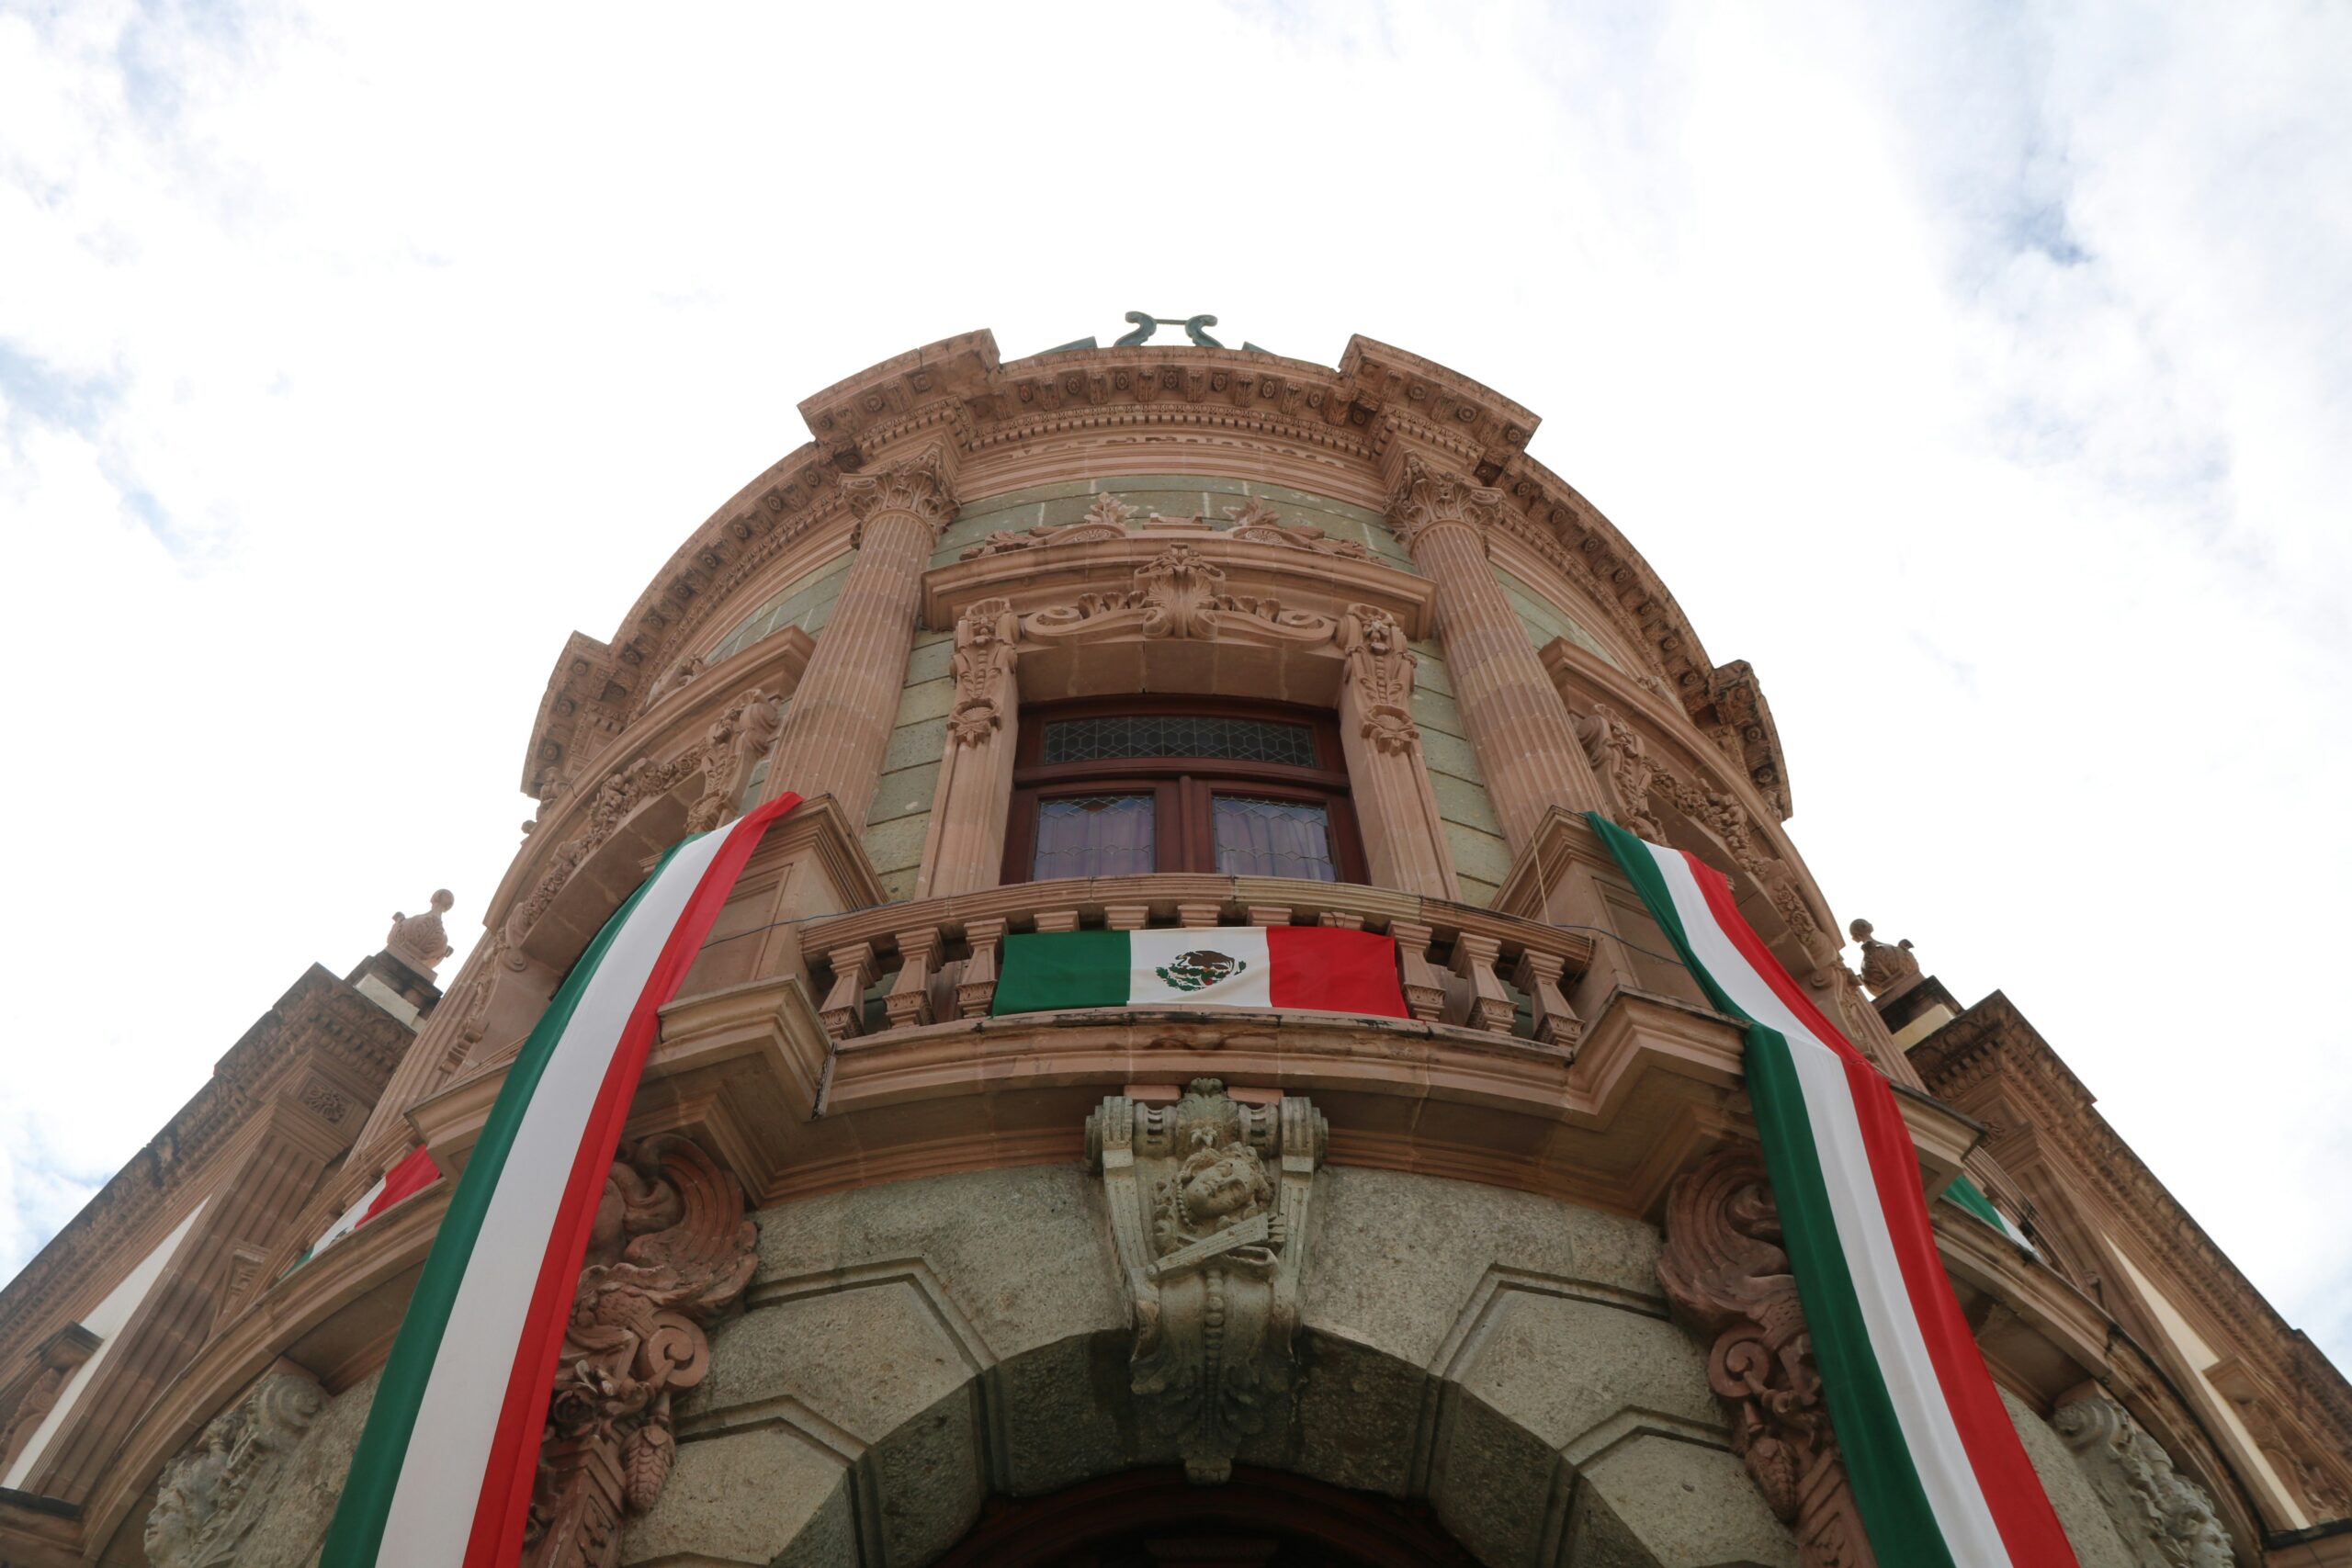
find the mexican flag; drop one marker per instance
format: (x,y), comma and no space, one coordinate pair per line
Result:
(413,1175)
(442,1478)
(1308,968)
(1937,1472)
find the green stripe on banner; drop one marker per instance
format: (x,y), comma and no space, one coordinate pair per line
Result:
(1971,1197)
(1046,970)
(355,1539)
(1895,1513)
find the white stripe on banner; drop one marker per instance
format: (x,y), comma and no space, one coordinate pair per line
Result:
(431,1512)
(1943,1465)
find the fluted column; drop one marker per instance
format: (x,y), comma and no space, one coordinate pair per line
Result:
(835,737)
(1518,725)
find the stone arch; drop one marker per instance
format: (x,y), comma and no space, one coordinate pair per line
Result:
(913,1350)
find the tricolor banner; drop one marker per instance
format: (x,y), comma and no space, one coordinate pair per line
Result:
(442,1478)
(413,1175)
(1938,1470)
(1309,968)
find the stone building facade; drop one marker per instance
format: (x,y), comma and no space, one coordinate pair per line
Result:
(1149,636)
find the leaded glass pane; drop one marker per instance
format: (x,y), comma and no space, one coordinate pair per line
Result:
(1272,837)
(1180,735)
(1093,835)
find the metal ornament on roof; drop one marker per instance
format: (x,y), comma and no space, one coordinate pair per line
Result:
(1146,325)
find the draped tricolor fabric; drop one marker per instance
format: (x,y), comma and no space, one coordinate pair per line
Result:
(442,1478)
(1307,969)
(413,1175)
(1938,1470)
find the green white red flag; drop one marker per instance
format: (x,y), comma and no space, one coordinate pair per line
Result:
(413,1175)
(443,1475)
(1306,968)
(1939,1472)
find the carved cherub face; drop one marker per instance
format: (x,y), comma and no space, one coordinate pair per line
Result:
(1220,1185)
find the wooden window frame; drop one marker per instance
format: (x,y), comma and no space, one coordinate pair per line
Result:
(1183,838)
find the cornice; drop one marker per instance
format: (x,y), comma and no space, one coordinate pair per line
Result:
(1993,1043)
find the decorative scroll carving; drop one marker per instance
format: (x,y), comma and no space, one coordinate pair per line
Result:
(1727,1278)
(2166,1519)
(217,1490)
(1428,496)
(723,757)
(421,942)
(985,637)
(1255,522)
(916,486)
(1379,666)
(1258,522)
(1178,593)
(1618,755)
(1208,1209)
(1884,967)
(677,677)
(671,1252)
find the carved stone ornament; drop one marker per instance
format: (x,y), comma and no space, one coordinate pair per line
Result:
(1633,776)
(421,942)
(2166,1519)
(1379,666)
(1258,522)
(677,677)
(670,1254)
(916,487)
(1255,522)
(2315,1482)
(211,1497)
(723,758)
(1428,496)
(985,636)
(60,1356)
(1727,1278)
(1178,593)
(1208,1211)
(1886,967)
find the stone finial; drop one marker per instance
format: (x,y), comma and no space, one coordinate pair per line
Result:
(1208,1214)
(2166,1519)
(421,942)
(1886,967)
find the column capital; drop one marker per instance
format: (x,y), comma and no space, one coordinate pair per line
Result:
(1428,496)
(921,485)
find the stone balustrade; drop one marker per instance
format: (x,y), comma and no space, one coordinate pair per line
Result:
(1460,965)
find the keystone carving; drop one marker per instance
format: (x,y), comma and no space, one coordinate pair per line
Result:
(1428,496)
(982,665)
(1885,967)
(671,1252)
(1727,1278)
(1208,1211)
(916,486)
(2166,1519)
(211,1497)
(421,942)
(1379,666)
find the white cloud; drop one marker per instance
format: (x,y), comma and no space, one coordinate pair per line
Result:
(1985,380)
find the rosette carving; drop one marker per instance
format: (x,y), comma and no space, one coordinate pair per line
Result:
(1727,1278)
(670,1254)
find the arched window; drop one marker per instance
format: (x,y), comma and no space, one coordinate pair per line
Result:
(1131,786)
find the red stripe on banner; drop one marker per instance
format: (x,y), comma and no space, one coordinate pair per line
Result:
(1327,969)
(2013,1493)
(504,1508)
(406,1179)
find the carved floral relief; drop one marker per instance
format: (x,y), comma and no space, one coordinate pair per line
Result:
(209,1497)
(2166,1519)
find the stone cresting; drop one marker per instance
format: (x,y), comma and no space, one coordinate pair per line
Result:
(209,1497)
(2166,1519)
(1209,1202)
(421,942)
(671,1255)
(1727,1278)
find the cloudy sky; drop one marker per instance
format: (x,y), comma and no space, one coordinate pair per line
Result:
(1984,378)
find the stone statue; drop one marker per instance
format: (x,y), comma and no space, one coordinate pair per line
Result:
(216,1491)
(1884,969)
(421,942)
(1208,1212)
(2166,1519)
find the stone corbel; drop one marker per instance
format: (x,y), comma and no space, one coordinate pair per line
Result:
(1728,1279)
(1208,1200)
(670,1254)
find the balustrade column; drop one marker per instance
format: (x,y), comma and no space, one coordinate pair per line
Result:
(1518,725)
(838,730)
